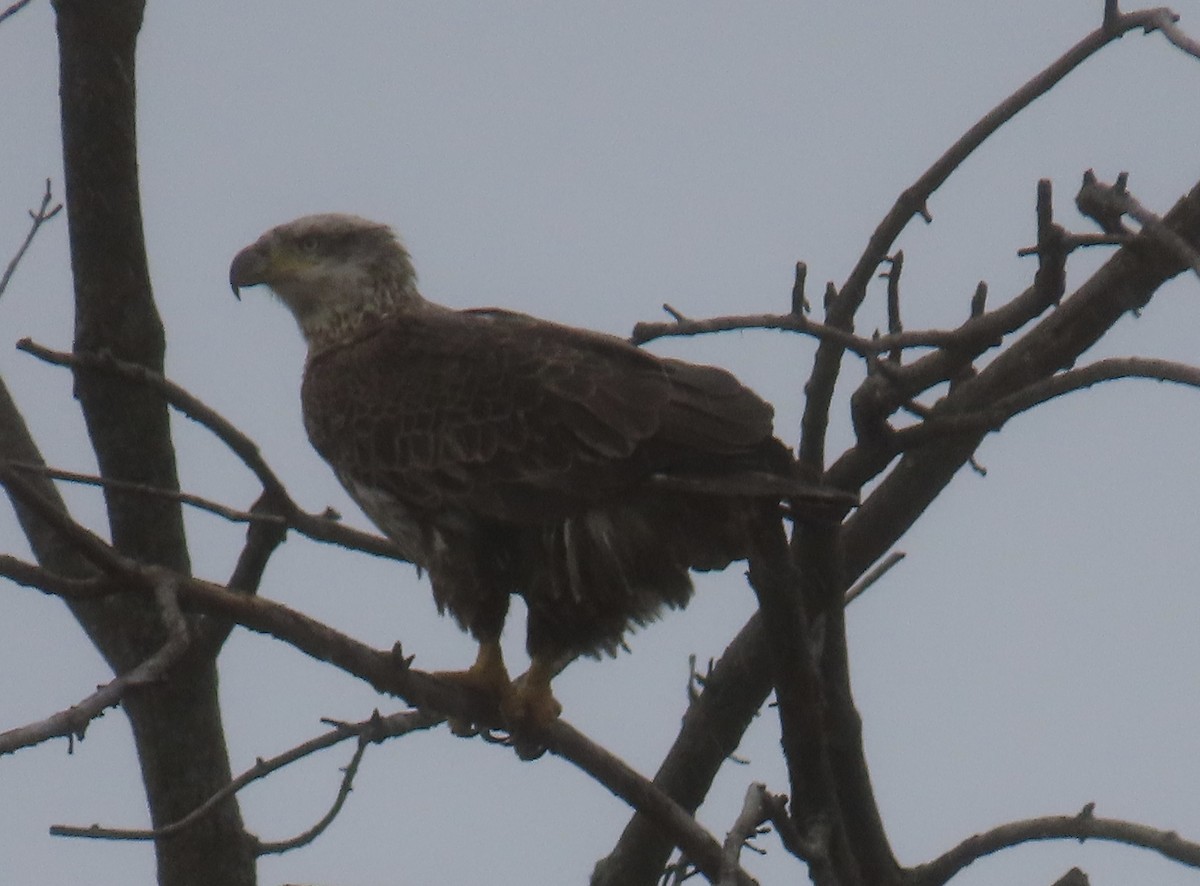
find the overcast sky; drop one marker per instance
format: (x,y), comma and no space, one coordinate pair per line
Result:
(1036,651)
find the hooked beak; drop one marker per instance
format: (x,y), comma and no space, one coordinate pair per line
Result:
(249,268)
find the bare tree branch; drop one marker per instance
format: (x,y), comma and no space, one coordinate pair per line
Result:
(734,690)
(373,730)
(33,576)
(386,671)
(745,828)
(98,552)
(316,526)
(995,416)
(1108,369)
(1124,283)
(892,275)
(41,215)
(877,572)
(912,201)
(233,515)
(303,839)
(1108,203)
(1055,827)
(72,723)
(14,9)
(799,323)
(1166,21)
(786,597)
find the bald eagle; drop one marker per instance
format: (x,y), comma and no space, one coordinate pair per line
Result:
(507,455)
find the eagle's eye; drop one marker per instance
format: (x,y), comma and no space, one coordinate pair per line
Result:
(308,244)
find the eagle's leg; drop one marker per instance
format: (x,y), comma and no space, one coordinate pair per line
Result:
(530,705)
(482,614)
(480,607)
(488,674)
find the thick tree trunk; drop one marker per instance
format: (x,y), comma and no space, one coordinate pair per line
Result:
(176,724)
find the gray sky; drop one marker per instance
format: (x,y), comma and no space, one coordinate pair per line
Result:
(1035,652)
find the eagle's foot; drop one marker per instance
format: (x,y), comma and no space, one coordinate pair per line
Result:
(487,676)
(529,706)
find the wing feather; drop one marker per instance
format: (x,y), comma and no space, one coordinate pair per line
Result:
(513,418)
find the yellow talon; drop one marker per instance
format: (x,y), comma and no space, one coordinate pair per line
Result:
(529,705)
(487,676)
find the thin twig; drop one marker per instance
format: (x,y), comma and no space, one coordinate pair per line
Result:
(315,526)
(189,405)
(801,323)
(876,573)
(303,839)
(233,515)
(373,730)
(87,543)
(14,9)
(72,723)
(43,214)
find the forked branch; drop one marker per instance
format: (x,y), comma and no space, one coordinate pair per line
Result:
(386,671)
(72,723)
(373,730)
(318,527)
(46,211)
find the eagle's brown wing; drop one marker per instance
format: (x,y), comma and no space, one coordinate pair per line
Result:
(515,419)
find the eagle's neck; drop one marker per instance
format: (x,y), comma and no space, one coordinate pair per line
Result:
(334,322)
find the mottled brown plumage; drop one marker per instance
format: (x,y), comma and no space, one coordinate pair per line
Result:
(509,455)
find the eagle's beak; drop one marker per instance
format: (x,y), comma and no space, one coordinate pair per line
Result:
(249,268)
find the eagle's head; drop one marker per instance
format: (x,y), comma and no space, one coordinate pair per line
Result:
(332,271)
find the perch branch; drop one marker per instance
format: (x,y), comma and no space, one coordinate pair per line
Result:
(387,672)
